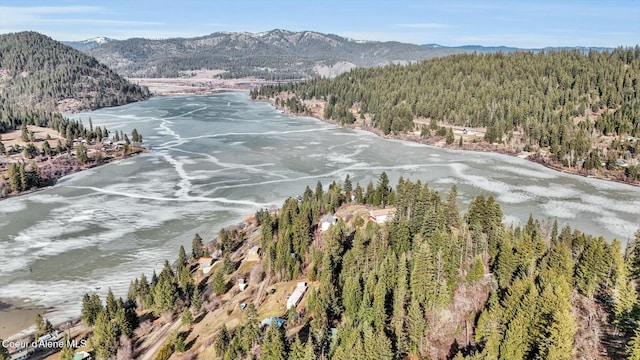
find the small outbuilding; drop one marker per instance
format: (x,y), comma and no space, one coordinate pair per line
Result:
(242,284)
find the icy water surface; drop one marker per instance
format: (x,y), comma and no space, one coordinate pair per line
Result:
(217,158)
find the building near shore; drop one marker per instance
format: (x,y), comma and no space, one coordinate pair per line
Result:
(206,264)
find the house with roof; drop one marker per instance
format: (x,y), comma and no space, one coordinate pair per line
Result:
(205,264)
(327,221)
(380,216)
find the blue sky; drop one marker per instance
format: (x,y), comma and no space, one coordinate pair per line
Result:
(512,23)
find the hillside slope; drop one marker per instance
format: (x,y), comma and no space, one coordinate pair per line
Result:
(566,109)
(277,54)
(38,72)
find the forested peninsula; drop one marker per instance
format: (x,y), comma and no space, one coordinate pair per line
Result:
(39,79)
(423,283)
(570,110)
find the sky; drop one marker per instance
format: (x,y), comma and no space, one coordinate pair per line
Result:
(524,23)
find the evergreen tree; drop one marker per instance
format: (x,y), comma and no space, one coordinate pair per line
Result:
(165,293)
(274,345)
(104,338)
(91,307)
(186,317)
(196,299)
(43,326)
(197,247)
(222,340)
(219,283)
(182,258)
(112,305)
(251,328)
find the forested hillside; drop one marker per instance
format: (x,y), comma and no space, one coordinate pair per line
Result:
(427,284)
(573,109)
(38,72)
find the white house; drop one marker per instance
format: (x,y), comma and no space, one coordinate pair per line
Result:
(327,221)
(382,215)
(296,295)
(205,264)
(242,285)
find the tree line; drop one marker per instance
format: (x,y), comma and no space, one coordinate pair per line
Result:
(561,100)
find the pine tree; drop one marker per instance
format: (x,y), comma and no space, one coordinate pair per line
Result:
(296,351)
(347,186)
(43,326)
(416,327)
(104,338)
(559,342)
(219,283)
(222,340)
(196,299)
(251,328)
(186,317)
(423,285)
(453,215)
(274,346)
(91,307)
(197,247)
(182,258)
(165,294)
(112,305)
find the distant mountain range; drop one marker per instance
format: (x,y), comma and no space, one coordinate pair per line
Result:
(273,55)
(276,54)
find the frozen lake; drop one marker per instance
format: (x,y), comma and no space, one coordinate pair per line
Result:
(217,158)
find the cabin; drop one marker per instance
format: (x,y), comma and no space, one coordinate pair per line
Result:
(205,264)
(327,221)
(253,254)
(297,295)
(380,216)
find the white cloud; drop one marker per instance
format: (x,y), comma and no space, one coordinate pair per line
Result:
(424,26)
(17,16)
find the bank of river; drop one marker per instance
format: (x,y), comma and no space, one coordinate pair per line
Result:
(216,158)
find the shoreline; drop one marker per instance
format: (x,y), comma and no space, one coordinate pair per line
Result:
(17,317)
(417,139)
(74,171)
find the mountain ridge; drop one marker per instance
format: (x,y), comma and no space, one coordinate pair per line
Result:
(277,54)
